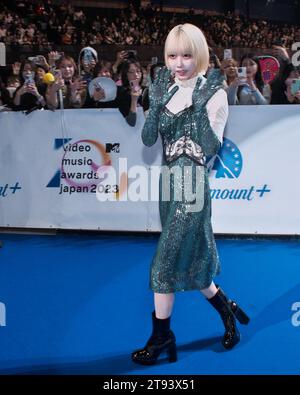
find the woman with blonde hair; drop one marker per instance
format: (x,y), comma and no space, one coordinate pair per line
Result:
(190,113)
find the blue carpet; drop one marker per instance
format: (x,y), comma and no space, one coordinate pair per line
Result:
(80,304)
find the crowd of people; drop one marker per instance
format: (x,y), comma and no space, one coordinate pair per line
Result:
(27,87)
(24,22)
(23,86)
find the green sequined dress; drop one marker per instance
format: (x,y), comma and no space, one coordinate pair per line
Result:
(186,257)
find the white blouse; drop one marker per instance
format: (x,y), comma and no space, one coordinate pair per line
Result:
(217,106)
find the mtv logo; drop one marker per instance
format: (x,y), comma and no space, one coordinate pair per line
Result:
(2,314)
(115,147)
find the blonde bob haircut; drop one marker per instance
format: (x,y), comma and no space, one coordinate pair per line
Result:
(188,39)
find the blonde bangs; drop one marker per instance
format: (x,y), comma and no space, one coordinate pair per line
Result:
(179,42)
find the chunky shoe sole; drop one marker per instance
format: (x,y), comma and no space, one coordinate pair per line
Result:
(143,357)
(240,315)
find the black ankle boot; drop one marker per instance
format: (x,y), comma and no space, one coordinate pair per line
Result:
(162,339)
(229,310)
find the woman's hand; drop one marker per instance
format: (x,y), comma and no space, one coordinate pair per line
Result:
(22,90)
(297,97)
(236,82)
(280,52)
(251,83)
(52,57)
(31,88)
(293,98)
(59,83)
(158,90)
(121,56)
(16,68)
(199,94)
(136,94)
(77,85)
(99,94)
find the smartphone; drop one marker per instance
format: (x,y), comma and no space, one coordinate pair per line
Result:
(57,73)
(135,86)
(29,79)
(154,60)
(88,57)
(242,72)
(227,53)
(34,59)
(295,87)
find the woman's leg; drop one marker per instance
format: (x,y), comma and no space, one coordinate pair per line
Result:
(162,337)
(163,305)
(229,311)
(210,291)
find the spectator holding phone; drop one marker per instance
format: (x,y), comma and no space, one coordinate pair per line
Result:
(286,86)
(72,87)
(88,58)
(28,97)
(229,68)
(249,88)
(129,95)
(102,69)
(121,57)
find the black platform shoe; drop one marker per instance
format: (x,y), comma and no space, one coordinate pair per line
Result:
(162,339)
(229,311)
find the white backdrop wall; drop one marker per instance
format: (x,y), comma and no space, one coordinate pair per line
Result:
(49,160)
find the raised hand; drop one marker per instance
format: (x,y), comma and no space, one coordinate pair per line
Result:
(77,85)
(158,90)
(16,68)
(214,81)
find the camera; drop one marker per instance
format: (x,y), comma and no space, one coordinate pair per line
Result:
(131,54)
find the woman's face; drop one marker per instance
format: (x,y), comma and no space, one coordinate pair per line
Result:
(134,72)
(40,73)
(27,71)
(104,72)
(230,69)
(292,76)
(67,70)
(183,65)
(251,66)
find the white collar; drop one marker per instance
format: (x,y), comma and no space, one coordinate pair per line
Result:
(191,82)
